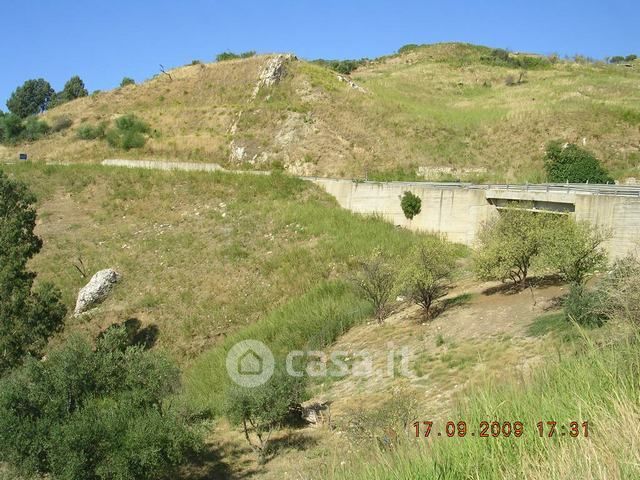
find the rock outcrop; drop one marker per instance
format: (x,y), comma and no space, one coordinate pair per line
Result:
(351,83)
(97,290)
(273,71)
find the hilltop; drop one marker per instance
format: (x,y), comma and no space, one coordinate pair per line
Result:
(443,111)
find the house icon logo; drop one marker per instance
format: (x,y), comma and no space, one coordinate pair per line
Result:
(250,363)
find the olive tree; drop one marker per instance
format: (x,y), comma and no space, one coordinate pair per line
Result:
(509,243)
(263,408)
(574,249)
(375,281)
(91,413)
(428,272)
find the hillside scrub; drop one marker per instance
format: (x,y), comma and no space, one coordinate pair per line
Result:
(129,132)
(598,386)
(224,56)
(570,163)
(594,384)
(94,413)
(435,106)
(14,129)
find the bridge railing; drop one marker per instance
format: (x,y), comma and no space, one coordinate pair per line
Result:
(624,190)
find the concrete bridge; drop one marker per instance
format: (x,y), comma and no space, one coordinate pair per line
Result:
(458,210)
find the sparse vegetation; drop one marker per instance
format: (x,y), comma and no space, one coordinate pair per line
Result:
(224,56)
(344,67)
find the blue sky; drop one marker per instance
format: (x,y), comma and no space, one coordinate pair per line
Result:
(102,41)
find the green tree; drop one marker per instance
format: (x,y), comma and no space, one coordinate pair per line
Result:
(94,413)
(428,272)
(570,163)
(261,409)
(410,204)
(375,280)
(31,98)
(127,81)
(508,245)
(28,315)
(574,249)
(74,88)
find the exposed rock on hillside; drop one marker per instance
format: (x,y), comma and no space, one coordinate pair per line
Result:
(273,71)
(97,290)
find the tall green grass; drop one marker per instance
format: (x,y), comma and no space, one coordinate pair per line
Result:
(312,321)
(600,385)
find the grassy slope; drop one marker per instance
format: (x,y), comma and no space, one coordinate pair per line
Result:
(600,386)
(437,106)
(202,255)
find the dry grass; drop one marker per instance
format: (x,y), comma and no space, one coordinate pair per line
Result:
(202,255)
(437,106)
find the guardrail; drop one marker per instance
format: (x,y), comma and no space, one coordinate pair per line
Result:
(583,188)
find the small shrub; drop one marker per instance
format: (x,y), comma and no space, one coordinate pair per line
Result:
(35,129)
(61,123)
(91,132)
(584,306)
(621,290)
(127,81)
(11,128)
(411,205)
(195,62)
(129,132)
(376,281)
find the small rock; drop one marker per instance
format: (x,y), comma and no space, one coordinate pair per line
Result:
(97,290)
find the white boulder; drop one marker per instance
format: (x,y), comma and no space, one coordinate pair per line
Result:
(97,290)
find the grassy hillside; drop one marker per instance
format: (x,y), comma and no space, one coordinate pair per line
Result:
(599,386)
(202,255)
(445,110)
